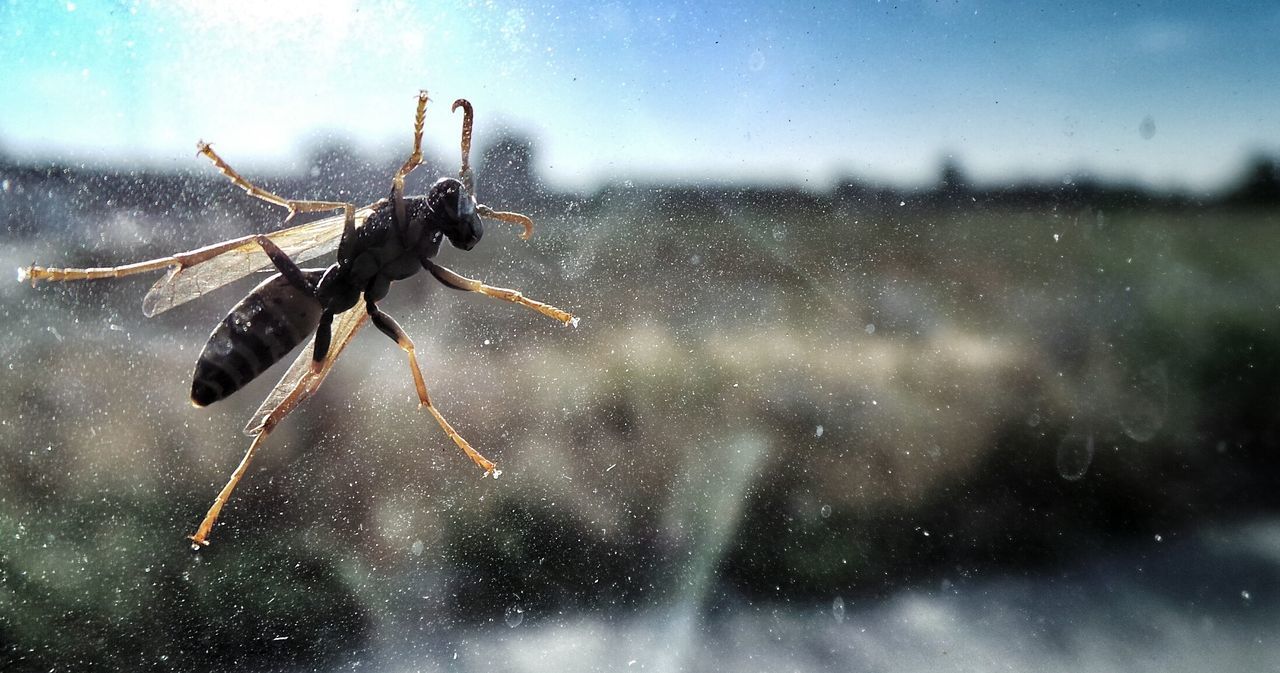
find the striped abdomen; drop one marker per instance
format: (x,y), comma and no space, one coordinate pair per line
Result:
(260,330)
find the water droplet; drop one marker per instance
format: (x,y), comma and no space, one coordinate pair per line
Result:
(817,432)
(1246,595)
(514,615)
(870,328)
(1057,237)
(825,511)
(756,61)
(1159,537)
(416,548)
(1147,129)
(1033,420)
(1075,453)
(779,234)
(837,609)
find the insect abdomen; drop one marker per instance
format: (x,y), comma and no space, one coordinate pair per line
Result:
(268,323)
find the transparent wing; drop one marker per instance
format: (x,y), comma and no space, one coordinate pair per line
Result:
(199,271)
(300,382)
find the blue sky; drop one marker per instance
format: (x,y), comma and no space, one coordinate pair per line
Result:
(752,90)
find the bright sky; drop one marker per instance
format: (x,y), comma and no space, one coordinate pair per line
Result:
(755,89)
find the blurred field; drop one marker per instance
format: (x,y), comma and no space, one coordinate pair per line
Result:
(774,401)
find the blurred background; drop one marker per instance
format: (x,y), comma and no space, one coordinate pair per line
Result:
(927,335)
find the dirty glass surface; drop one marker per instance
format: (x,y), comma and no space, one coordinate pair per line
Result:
(920,336)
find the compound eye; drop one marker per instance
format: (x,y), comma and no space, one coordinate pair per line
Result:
(452,202)
(466,206)
(448,197)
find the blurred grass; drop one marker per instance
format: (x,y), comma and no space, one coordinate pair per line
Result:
(933,392)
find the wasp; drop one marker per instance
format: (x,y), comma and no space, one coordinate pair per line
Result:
(377,244)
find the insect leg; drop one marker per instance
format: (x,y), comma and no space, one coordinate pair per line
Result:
(324,332)
(345,244)
(285,264)
(293,390)
(201,536)
(415,158)
(255,191)
(389,327)
(459,282)
(35,273)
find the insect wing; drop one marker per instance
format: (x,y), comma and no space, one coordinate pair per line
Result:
(300,382)
(206,269)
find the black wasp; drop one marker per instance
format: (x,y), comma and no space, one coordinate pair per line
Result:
(388,240)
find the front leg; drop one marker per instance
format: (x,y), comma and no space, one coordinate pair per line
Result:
(414,160)
(459,282)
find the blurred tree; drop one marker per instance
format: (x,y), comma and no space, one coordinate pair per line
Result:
(506,169)
(952,180)
(329,160)
(1260,185)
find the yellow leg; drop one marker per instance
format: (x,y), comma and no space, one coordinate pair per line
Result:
(415,158)
(201,537)
(257,192)
(387,325)
(289,393)
(35,273)
(425,400)
(458,281)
